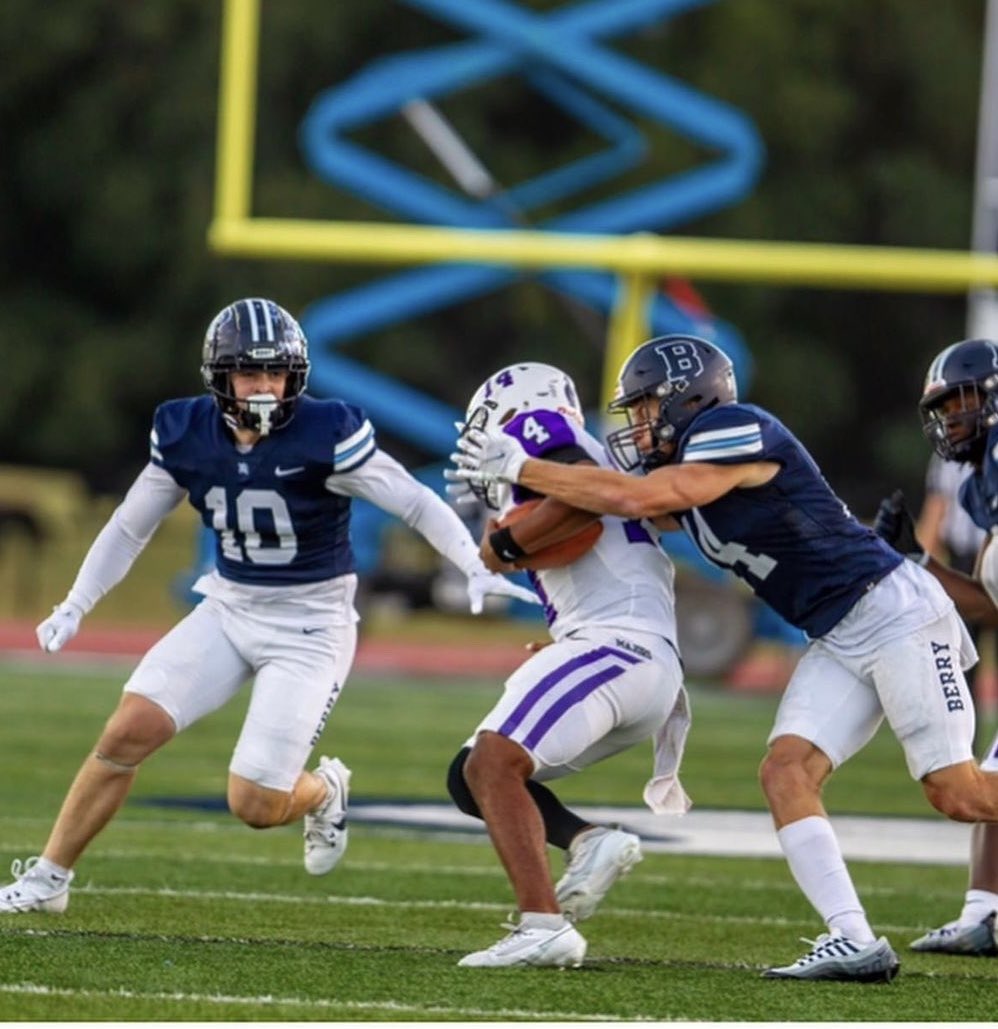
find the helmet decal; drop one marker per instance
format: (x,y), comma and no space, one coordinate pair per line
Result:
(682,360)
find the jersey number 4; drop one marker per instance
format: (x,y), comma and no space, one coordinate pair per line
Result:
(244,543)
(730,554)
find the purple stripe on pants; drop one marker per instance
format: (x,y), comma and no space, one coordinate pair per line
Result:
(570,699)
(537,693)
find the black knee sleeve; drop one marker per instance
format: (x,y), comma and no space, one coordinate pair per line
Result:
(458,788)
(560,824)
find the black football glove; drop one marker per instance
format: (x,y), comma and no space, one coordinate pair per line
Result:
(894,525)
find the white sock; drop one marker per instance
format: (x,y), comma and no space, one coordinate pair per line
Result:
(51,870)
(541,920)
(815,860)
(977,905)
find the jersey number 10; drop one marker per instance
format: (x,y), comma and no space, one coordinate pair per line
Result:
(245,543)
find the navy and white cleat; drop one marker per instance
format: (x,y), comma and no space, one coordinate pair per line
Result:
(834,956)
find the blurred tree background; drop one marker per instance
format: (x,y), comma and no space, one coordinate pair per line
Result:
(868,109)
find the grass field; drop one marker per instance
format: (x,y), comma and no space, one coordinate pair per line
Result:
(184,914)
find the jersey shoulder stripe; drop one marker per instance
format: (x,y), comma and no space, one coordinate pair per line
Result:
(334,433)
(353,451)
(737,441)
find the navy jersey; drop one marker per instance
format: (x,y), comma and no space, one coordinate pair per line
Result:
(792,540)
(276,523)
(979,493)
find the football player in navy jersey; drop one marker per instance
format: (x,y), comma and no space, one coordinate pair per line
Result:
(271,471)
(959,409)
(885,639)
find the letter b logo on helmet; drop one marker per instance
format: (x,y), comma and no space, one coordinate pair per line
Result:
(681,358)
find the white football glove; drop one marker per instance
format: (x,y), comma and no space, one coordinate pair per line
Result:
(484,583)
(486,460)
(59,628)
(459,490)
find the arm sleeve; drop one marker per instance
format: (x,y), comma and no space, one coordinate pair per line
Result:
(153,495)
(383,481)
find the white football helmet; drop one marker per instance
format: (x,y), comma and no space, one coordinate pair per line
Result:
(529,386)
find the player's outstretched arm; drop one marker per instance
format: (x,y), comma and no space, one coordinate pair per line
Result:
(385,482)
(895,525)
(152,496)
(969,595)
(484,460)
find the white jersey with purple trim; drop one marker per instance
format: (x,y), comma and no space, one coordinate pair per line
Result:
(626,581)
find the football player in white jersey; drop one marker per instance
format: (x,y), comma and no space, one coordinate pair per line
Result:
(959,408)
(271,471)
(610,679)
(886,641)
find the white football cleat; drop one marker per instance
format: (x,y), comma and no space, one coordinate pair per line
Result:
(34,890)
(978,939)
(326,827)
(834,956)
(564,947)
(597,858)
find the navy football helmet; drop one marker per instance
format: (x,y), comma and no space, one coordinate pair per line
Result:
(254,335)
(967,371)
(686,375)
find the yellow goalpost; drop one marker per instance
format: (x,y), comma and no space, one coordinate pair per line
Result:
(639,260)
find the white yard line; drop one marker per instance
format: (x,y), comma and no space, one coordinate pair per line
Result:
(337,1006)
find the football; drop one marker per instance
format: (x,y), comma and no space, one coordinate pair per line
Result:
(557,555)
